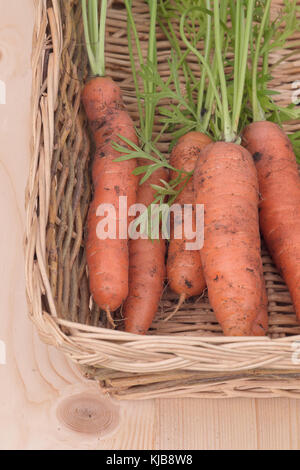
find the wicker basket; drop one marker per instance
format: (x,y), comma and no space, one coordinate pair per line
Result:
(187,356)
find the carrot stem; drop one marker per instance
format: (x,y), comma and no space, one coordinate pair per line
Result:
(244,37)
(208,44)
(200,57)
(147,109)
(258,114)
(152,61)
(94,32)
(173,40)
(237,16)
(93,23)
(87,35)
(228,133)
(131,29)
(100,54)
(266,53)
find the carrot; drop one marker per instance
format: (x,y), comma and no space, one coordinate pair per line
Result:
(225,181)
(147,269)
(184,269)
(107,259)
(279,186)
(279,182)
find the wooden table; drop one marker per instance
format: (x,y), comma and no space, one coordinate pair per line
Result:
(36,378)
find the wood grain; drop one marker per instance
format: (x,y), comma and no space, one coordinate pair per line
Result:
(36,378)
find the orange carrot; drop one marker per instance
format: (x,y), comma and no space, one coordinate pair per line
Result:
(147,256)
(184,268)
(147,270)
(279,186)
(225,181)
(108,260)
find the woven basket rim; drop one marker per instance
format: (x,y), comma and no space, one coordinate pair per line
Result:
(123,336)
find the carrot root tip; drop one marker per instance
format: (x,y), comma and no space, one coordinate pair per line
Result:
(182,299)
(110,318)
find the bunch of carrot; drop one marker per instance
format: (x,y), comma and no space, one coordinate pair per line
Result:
(225,183)
(232,181)
(228,181)
(108,259)
(122,272)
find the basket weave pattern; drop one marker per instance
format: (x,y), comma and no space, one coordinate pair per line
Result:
(187,356)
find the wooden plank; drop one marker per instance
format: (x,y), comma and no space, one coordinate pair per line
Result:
(138,428)
(294,415)
(206,424)
(237,423)
(274,426)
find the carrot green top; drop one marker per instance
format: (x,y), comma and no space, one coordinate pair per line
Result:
(219,103)
(269,35)
(146,106)
(223,98)
(94,31)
